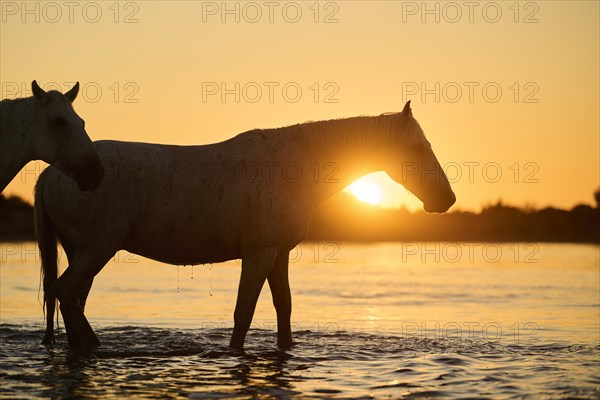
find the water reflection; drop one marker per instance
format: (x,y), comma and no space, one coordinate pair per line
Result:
(368,326)
(321,364)
(68,372)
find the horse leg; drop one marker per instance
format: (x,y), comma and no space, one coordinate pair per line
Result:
(84,293)
(51,298)
(282,299)
(50,308)
(68,288)
(256,266)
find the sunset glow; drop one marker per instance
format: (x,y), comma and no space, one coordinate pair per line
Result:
(494,115)
(366,191)
(419,179)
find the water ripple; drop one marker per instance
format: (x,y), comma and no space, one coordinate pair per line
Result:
(174,363)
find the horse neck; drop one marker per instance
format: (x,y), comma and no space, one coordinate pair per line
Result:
(15,148)
(341,151)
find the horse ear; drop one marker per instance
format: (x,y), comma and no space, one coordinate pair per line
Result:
(407,110)
(38,92)
(72,94)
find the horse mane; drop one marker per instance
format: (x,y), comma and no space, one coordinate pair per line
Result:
(6,102)
(6,108)
(353,133)
(361,132)
(9,103)
(51,96)
(357,133)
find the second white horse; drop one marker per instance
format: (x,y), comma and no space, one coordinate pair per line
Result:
(45,127)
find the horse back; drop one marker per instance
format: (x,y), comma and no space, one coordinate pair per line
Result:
(181,204)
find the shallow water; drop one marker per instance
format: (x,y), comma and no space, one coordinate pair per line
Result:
(409,320)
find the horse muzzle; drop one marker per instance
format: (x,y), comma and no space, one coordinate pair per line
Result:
(440,205)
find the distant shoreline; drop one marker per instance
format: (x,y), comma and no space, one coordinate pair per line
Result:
(344,219)
(21,241)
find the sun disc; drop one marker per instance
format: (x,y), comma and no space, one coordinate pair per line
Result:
(366,192)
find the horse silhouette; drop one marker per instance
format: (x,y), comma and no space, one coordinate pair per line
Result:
(45,127)
(249,197)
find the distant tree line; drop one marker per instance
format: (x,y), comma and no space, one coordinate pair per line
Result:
(344,218)
(16,219)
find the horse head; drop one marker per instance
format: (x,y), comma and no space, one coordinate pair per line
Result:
(58,137)
(420,172)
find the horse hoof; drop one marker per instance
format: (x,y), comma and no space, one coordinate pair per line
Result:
(284,346)
(236,345)
(48,341)
(87,344)
(91,344)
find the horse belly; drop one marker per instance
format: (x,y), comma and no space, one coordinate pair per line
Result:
(183,250)
(180,235)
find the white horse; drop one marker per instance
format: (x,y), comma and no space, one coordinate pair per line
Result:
(45,127)
(249,197)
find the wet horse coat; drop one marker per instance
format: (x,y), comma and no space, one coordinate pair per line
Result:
(250,197)
(45,127)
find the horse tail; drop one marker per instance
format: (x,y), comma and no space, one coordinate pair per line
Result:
(46,238)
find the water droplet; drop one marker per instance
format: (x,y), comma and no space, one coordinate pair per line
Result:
(210,274)
(178,290)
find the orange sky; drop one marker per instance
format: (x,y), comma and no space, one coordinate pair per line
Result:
(147,69)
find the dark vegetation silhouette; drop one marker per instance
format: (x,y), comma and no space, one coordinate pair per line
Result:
(16,219)
(344,218)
